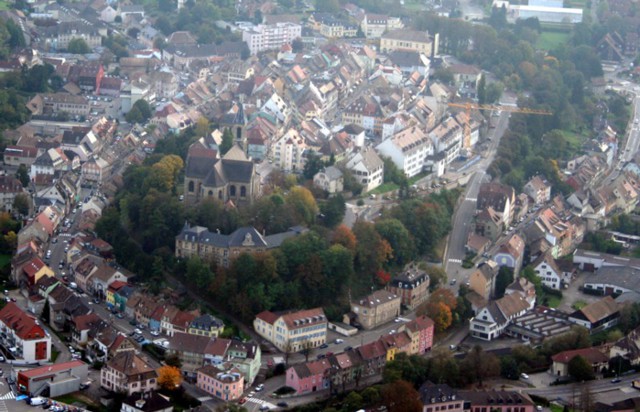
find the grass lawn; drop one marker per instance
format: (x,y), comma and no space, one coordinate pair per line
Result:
(579,305)
(574,139)
(549,40)
(4,5)
(384,188)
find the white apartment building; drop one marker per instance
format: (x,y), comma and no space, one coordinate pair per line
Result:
(270,36)
(295,331)
(408,149)
(287,152)
(22,335)
(447,137)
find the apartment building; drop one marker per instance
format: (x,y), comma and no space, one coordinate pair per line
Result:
(408,149)
(270,36)
(128,373)
(419,41)
(367,168)
(374,310)
(294,331)
(22,335)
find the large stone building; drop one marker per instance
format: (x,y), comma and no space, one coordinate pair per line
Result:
(212,246)
(294,331)
(412,285)
(374,310)
(409,40)
(233,177)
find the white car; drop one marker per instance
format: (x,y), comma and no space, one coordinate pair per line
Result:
(259,388)
(138,331)
(154,333)
(37,401)
(339,341)
(524,376)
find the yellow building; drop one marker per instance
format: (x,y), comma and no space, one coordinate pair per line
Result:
(412,40)
(206,325)
(112,289)
(36,269)
(294,331)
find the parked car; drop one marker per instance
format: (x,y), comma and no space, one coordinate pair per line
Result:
(339,341)
(524,376)
(324,346)
(283,404)
(37,401)
(259,387)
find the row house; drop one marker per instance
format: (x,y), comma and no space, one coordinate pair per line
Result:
(365,112)
(183,56)
(483,279)
(206,325)
(336,371)
(295,331)
(408,150)
(489,224)
(51,162)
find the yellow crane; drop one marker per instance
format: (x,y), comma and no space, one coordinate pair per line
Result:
(467,106)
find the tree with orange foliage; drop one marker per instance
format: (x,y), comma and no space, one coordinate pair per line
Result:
(444,295)
(169,377)
(345,237)
(438,312)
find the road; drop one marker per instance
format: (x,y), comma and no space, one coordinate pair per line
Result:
(463,218)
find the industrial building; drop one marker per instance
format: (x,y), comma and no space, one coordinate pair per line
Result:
(53,380)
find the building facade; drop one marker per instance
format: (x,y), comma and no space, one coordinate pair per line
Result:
(295,331)
(376,309)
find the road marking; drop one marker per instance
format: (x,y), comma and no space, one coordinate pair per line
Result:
(204,398)
(471,199)
(455,260)
(8,395)
(261,402)
(3,406)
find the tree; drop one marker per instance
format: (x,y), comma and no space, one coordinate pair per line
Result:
(327,6)
(173,360)
(482,90)
(140,112)
(169,377)
(312,166)
(438,312)
(342,235)
(22,174)
(307,349)
(46,312)
(16,37)
(504,279)
(580,369)
(21,204)
(437,276)
(399,238)
(586,401)
(202,127)
(509,368)
(302,204)
(400,396)
(78,46)
(227,141)
(333,210)
(480,365)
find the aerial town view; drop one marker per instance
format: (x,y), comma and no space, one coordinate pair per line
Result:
(320,205)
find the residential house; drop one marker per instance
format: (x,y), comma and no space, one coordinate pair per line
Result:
(294,331)
(412,285)
(308,377)
(330,180)
(95,170)
(22,335)
(500,197)
(367,168)
(374,310)
(112,290)
(225,385)
(130,373)
(492,320)
(19,155)
(10,187)
(440,397)
(511,253)
(548,271)
(206,325)
(627,348)
(524,288)
(538,189)
(83,325)
(34,270)
(409,40)
(100,280)
(198,241)
(483,279)
(270,36)
(421,331)
(489,224)
(447,138)
(408,149)
(597,316)
(58,36)
(594,357)
(365,112)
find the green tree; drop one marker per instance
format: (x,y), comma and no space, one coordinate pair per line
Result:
(580,369)
(312,165)
(327,6)
(16,37)
(227,141)
(302,204)
(333,210)
(78,46)
(21,204)
(482,90)
(399,238)
(480,365)
(22,174)
(509,368)
(504,279)
(199,273)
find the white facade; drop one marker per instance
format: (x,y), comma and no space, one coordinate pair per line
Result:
(270,36)
(287,152)
(548,275)
(277,107)
(367,168)
(408,150)
(294,331)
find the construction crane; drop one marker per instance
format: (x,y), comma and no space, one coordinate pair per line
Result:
(468,106)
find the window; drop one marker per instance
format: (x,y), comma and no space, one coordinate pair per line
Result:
(243,191)
(232,190)
(191,186)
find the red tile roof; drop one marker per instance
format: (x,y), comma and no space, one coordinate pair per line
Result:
(592,355)
(268,317)
(23,325)
(33,266)
(117,285)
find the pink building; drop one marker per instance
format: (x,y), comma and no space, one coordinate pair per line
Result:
(225,385)
(420,331)
(308,377)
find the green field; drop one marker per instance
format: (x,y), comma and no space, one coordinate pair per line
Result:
(549,40)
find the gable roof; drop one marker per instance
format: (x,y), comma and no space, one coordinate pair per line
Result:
(598,310)
(24,326)
(592,355)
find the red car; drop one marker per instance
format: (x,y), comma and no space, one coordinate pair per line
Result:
(242,401)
